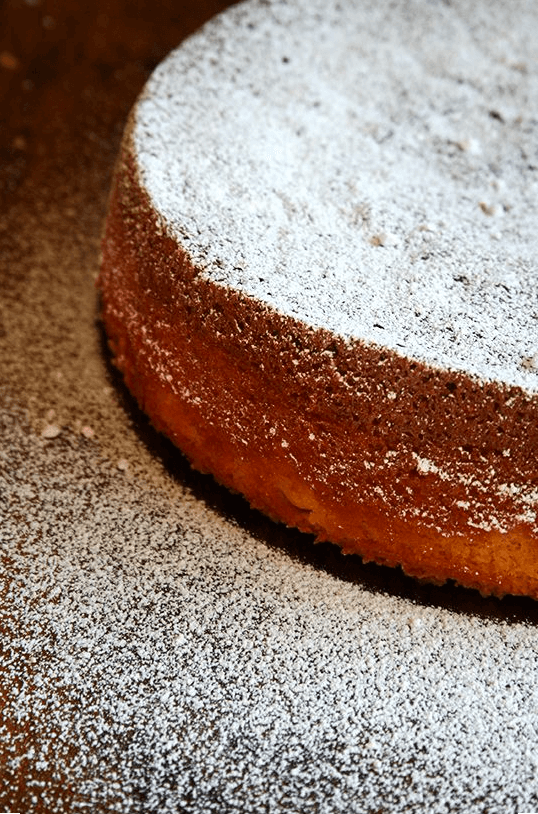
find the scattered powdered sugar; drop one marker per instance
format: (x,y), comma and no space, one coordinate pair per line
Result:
(367,167)
(163,658)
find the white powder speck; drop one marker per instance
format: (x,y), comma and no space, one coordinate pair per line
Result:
(425,466)
(51,431)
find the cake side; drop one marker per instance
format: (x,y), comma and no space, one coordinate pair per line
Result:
(391,459)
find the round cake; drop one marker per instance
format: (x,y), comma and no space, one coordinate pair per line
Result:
(320,275)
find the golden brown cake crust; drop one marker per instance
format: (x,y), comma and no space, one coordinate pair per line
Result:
(335,437)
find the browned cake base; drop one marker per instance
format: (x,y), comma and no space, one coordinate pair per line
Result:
(334,438)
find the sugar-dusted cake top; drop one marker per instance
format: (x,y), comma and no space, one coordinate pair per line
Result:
(368,167)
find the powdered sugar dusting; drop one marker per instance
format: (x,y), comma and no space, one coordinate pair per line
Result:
(370,168)
(162,658)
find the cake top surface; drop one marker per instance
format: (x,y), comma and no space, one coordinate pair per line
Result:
(370,168)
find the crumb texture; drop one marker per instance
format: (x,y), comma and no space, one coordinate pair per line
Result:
(370,168)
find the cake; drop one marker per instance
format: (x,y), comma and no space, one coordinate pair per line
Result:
(319,274)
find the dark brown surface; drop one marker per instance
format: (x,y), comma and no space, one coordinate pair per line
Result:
(69,72)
